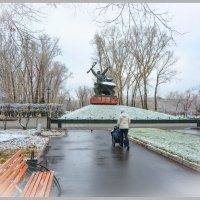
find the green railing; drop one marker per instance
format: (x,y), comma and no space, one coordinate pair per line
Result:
(137,121)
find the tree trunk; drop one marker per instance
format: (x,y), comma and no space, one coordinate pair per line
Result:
(155,94)
(127,98)
(13,87)
(145,94)
(133,100)
(121,94)
(37,86)
(155,97)
(142,103)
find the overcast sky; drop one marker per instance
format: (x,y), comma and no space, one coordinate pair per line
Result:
(75,29)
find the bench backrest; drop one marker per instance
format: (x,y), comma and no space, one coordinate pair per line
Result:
(11,173)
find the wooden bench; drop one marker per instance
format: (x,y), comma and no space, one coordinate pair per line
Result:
(11,173)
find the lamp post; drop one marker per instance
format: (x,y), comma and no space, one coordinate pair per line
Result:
(69,104)
(48,118)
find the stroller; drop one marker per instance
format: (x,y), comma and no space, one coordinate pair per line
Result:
(115,133)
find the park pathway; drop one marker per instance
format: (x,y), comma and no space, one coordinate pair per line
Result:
(87,165)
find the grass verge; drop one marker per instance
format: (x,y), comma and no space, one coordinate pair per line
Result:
(186,146)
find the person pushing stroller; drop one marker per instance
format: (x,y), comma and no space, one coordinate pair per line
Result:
(123,123)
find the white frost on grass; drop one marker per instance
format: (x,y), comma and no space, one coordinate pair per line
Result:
(184,145)
(6,137)
(111,112)
(13,139)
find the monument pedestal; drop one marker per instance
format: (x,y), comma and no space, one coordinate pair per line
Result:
(107,100)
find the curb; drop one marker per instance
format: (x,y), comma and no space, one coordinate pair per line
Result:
(43,149)
(176,158)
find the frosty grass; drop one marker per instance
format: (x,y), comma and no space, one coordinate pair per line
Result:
(184,145)
(111,112)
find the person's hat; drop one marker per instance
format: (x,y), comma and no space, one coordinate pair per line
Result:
(122,110)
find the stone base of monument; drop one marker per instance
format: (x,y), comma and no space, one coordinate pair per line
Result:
(107,100)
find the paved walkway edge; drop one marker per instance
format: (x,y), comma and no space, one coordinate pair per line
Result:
(176,158)
(41,152)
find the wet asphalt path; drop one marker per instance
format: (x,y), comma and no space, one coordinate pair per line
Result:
(87,165)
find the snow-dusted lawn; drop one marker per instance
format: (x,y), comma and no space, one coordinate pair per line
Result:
(184,145)
(111,112)
(16,138)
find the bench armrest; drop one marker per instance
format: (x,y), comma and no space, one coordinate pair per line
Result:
(38,167)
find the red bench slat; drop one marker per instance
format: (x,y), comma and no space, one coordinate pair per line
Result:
(11,173)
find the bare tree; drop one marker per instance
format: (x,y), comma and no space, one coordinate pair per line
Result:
(5,114)
(24,124)
(113,51)
(15,23)
(84,94)
(137,15)
(177,99)
(185,102)
(134,58)
(11,60)
(49,50)
(27,59)
(29,70)
(189,97)
(56,78)
(149,48)
(197,105)
(131,14)
(164,72)
(17,20)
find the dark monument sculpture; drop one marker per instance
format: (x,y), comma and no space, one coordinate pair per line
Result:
(103,84)
(103,88)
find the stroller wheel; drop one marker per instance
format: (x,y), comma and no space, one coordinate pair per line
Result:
(113,142)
